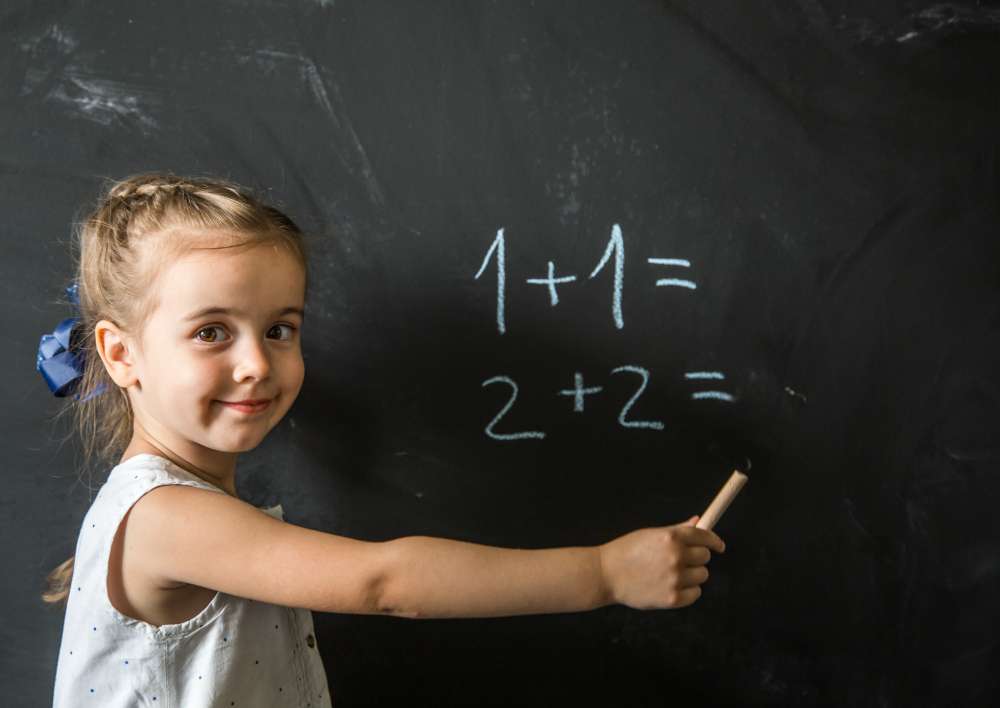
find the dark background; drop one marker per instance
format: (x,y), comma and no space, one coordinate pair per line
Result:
(829,169)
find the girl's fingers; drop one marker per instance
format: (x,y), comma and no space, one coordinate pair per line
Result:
(687,596)
(692,577)
(696,555)
(702,537)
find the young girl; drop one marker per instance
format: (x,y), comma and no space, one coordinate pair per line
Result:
(187,352)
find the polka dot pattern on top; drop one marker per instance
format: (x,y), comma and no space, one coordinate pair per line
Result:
(234,652)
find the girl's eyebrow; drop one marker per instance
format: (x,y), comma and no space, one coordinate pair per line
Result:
(216,310)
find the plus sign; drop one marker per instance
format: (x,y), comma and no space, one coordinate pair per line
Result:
(578,392)
(551,282)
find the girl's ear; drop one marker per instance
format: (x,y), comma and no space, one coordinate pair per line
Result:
(113,348)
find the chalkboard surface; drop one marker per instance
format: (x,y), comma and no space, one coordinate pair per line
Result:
(570,262)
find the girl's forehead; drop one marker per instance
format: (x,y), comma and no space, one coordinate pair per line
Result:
(257,277)
(179,243)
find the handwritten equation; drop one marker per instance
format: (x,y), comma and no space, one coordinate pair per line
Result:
(579,394)
(615,249)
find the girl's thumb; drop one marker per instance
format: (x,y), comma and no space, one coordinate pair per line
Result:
(692,521)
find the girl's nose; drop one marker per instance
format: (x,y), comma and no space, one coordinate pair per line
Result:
(253,361)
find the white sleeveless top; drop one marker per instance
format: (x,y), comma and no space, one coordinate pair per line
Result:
(235,652)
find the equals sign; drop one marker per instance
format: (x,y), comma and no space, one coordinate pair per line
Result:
(721,395)
(675,282)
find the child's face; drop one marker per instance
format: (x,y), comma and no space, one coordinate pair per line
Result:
(190,365)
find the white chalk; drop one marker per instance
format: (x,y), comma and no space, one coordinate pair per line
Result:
(722,500)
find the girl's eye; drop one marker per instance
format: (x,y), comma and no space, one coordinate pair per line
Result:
(291,330)
(208,329)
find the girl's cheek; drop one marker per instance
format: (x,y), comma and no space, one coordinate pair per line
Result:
(194,375)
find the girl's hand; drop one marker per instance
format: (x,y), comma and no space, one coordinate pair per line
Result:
(659,568)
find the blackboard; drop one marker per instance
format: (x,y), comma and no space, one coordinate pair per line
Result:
(798,206)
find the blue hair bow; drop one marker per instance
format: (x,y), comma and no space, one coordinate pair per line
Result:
(60,366)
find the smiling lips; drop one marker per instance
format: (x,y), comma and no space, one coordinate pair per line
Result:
(248,406)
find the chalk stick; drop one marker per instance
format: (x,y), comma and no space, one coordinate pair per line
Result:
(722,500)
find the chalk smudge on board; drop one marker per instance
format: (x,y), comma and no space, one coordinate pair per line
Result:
(53,76)
(924,26)
(348,147)
(54,36)
(106,101)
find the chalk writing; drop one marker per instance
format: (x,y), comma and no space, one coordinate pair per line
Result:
(503,411)
(721,395)
(615,247)
(673,281)
(653,424)
(579,392)
(551,281)
(498,247)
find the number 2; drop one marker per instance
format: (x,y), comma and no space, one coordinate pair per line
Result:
(654,424)
(503,411)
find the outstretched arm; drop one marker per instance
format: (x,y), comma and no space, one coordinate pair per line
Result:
(440,578)
(652,568)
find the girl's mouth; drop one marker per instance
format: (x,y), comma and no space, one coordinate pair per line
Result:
(245,408)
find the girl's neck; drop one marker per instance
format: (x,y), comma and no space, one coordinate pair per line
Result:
(223,479)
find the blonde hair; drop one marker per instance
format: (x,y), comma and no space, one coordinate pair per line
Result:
(138,226)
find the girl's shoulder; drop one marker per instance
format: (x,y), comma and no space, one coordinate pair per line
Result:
(148,470)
